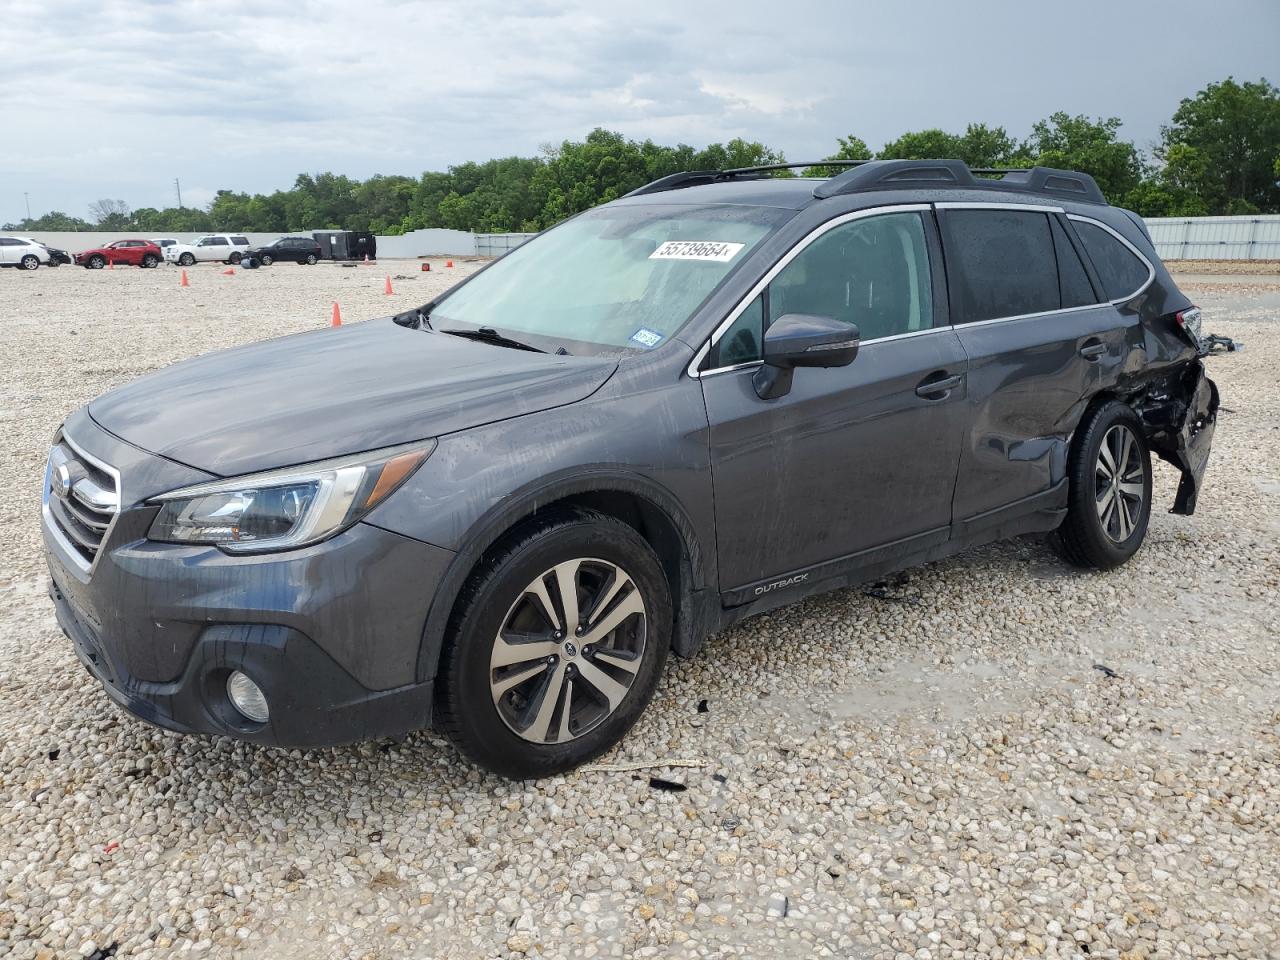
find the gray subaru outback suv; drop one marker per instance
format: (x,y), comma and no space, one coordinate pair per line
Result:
(717,395)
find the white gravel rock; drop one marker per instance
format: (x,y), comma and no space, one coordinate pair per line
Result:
(943,773)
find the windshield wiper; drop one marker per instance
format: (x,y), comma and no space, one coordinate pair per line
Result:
(490,335)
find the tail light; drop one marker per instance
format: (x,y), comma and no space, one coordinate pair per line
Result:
(1188,321)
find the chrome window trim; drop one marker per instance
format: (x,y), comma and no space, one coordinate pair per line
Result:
(1151,270)
(777,268)
(818,231)
(69,551)
(996,205)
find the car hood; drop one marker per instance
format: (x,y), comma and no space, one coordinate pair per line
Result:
(334,392)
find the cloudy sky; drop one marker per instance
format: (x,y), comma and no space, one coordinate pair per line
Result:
(116,99)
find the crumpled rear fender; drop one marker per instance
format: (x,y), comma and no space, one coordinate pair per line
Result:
(1181,413)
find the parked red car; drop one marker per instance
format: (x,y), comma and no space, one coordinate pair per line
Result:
(136,253)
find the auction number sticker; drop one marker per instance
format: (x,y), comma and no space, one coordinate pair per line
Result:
(713,250)
(647,338)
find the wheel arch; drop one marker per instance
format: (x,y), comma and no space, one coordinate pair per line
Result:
(643,505)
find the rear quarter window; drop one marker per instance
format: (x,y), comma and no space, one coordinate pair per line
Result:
(1122,273)
(1073,279)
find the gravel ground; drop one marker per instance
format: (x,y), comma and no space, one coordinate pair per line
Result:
(937,768)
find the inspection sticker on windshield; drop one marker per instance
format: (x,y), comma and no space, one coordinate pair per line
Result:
(713,250)
(647,338)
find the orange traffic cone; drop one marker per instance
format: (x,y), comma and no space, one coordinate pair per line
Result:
(387,289)
(184,282)
(229,272)
(448,263)
(111,264)
(366,258)
(337,316)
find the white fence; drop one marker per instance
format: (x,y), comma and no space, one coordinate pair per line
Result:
(496,244)
(1176,238)
(1216,238)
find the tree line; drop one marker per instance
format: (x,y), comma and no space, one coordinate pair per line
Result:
(1219,154)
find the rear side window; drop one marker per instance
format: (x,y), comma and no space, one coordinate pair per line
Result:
(1073,279)
(240,241)
(1001,263)
(1121,272)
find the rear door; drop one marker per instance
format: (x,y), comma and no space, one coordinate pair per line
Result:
(1040,338)
(9,248)
(853,461)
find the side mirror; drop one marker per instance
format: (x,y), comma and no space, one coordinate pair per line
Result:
(802,340)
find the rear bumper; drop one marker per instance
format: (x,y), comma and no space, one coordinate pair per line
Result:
(1182,415)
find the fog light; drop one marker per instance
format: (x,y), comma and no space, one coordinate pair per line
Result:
(247,697)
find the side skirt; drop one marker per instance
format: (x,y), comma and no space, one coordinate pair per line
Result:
(1035,514)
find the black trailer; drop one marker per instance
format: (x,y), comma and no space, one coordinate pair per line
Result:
(346,244)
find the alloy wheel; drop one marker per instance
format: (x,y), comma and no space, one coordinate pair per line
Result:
(568,651)
(1119,483)
(30,262)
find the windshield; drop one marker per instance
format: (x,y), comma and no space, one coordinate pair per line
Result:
(625,276)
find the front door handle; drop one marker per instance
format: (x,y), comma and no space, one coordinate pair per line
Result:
(938,389)
(1092,351)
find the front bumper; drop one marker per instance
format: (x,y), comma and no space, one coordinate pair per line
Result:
(331,632)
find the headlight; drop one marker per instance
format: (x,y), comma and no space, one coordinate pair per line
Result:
(285,508)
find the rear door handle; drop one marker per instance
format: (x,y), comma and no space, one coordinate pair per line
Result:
(938,389)
(1092,351)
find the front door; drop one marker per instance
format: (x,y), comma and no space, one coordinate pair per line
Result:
(854,463)
(213,248)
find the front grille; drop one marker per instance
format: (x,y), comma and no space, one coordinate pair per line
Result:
(82,498)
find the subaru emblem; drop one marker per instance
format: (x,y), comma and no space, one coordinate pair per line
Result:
(60,483)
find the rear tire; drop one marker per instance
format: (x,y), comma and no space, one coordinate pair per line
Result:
(311,259)
(573,694)
(1109,501)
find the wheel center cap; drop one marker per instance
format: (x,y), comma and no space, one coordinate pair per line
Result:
(570,649)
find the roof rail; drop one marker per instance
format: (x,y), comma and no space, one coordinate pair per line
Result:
(900,174)
(888,174)
(686,178)
(764,168)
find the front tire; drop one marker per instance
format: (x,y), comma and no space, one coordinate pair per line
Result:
(1109,501)
(555,646)
(30,262)
(235,259)
(97,262)
(150,260)
(265,260)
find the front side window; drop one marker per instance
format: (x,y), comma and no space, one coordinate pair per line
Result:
(1122,274)
(617,277)
(871,272)
(1000,263)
